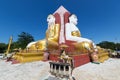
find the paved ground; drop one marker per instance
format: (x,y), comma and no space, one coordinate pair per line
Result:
(109,70)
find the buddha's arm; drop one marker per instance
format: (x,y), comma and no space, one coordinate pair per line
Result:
(47,34)
(75,33)
(72,33)
(57,29)
(56,33)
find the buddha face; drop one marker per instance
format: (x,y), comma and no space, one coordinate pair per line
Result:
(51,19)
(73,19)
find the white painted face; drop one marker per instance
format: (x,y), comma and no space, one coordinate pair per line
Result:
(51,19)
(73,19)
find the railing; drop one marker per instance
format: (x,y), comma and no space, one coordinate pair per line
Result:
(60,69)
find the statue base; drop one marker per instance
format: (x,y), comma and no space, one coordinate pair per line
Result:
(28,57)
(79,59)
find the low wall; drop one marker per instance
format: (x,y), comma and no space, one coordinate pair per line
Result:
(78,60)
(28,57)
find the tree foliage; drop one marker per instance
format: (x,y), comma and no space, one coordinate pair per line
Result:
(3,47)
(23,39)
(14,45)
(118,46)
(109,45)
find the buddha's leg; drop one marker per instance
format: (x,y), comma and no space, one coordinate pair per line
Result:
(41,45)
(52,45)
(32,47)
(83,47)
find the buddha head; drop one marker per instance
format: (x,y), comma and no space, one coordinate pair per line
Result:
(73,19)
(50,19)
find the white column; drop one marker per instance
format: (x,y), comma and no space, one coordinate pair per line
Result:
(55,69)
(59,70)
(70,71)
(52,68)
(62,36)
(64,70)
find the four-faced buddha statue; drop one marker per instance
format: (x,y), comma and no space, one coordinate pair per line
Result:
(72,33)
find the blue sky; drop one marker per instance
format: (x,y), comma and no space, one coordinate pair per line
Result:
(98,20)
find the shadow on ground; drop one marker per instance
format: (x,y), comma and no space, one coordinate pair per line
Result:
(52,78)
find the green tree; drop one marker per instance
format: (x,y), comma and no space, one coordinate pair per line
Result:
(107,45)
(117,46)
(23,39)
(14,45)
(3,47)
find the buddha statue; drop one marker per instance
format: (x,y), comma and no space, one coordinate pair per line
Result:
(73,34)
(52,33)
(51,40)
(31,46)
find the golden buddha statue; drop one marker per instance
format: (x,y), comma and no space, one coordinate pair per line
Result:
(51,40)
(31,46)
(52,33)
